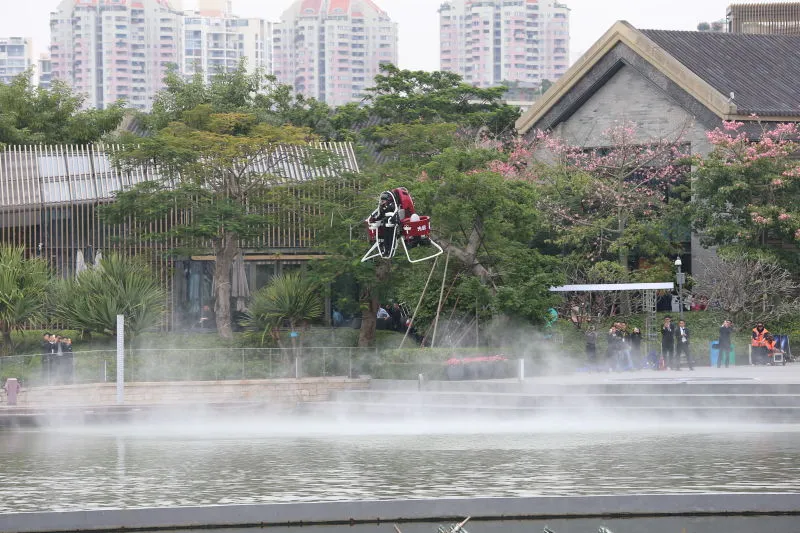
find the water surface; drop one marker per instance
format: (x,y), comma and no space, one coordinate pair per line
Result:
(201,462)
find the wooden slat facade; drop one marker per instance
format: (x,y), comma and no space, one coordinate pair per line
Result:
(49,199)
(782,18)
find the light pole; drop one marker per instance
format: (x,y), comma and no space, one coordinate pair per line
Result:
(681,279)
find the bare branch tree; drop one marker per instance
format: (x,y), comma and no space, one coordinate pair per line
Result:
(750,290)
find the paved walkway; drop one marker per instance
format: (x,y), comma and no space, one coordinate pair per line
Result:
(704,374)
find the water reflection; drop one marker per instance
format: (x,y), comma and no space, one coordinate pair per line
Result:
(169,464)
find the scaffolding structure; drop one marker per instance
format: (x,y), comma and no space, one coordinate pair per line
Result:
(649,290)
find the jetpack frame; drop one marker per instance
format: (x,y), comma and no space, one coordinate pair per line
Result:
(395,220)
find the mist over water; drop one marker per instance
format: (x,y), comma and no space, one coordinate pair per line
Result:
(198,460)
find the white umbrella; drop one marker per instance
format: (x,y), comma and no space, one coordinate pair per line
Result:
(239,287)
(80,263)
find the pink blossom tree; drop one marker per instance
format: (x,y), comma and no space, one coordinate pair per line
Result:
(605,203)
(746,190)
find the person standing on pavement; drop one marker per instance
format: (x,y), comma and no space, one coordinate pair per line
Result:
(725,332)
(682,345)
(668,341)
(591,348)
(758,344)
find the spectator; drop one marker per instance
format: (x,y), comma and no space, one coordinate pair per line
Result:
(636,344)
(771,348)
(725,343)
(382,312)
(612,346)
(52,347)
(58,360)
(624,361)
(68,370)
(682,345)
(46,357)
(396,313)
(338,319)
(591,348)
(758,346)
(667,341)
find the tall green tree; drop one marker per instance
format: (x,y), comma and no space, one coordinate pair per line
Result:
(745,191)
(24,284)
(483,220)
(215,168)
(256,93)
(405,96)
(33,115)
(117,286)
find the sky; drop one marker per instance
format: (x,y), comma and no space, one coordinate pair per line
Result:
(419,21)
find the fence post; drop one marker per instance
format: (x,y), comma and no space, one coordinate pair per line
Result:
(296,367)
(521,369)
(120,359)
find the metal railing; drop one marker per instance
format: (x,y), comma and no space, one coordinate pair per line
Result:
(192,364)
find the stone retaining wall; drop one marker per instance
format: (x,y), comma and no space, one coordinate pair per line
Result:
(277,392)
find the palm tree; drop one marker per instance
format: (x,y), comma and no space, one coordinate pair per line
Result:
(23,291)
(118,286)
(289,298)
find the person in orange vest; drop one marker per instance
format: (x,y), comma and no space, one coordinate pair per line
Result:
(771,347)
(759,344)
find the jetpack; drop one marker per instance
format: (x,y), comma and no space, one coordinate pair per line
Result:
(395,223)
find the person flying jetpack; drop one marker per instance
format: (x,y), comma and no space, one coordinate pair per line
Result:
(396,223)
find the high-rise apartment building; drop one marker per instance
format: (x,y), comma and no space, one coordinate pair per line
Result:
(114,50)
(216,40)
(781,18)
(332,49)
(489,42)
(16,56)
(44,71)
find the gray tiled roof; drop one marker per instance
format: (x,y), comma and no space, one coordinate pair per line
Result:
(763,71)
(65,174)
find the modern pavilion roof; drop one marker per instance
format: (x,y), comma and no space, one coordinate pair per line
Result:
(31,175)
(762,72)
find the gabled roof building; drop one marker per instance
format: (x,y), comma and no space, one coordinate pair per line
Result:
(669,83)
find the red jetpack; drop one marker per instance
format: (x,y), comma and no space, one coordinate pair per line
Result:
(396,221)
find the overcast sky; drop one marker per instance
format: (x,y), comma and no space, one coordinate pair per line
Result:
(418,20)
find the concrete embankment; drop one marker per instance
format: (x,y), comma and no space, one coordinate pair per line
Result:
(97,402)
(699,513)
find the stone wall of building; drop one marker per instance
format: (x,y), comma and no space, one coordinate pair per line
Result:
(630,97)
(280,393)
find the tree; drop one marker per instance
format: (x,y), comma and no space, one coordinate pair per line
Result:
(483,220)
(256,93)
(405,97)
(609,202)
(23,288)
(117,286)
(745,191)
(749,288)
(32,115)
(215,167)
(288,299)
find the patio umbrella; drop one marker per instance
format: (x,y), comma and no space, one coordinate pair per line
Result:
(239,287)
(80,263)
